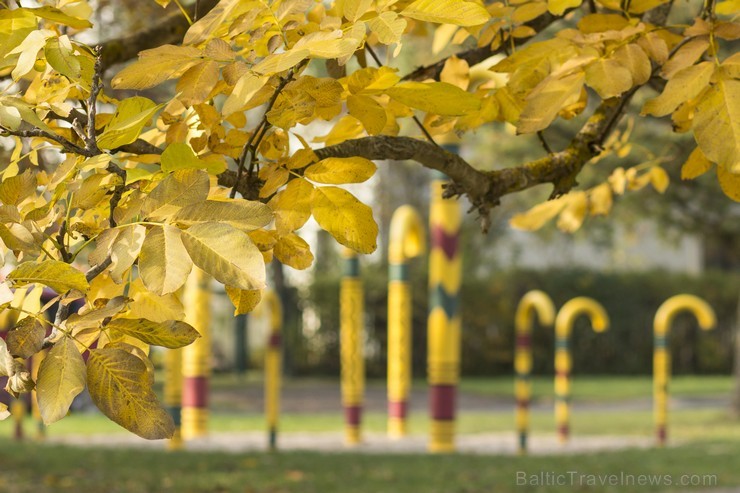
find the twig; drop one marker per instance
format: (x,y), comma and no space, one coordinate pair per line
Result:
(541,136)
(96,86)
(69,147)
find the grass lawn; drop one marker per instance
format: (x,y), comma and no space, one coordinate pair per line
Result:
(34,468)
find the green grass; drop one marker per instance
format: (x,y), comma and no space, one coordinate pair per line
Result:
(34,468)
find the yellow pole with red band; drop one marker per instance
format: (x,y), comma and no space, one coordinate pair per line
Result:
(351,346)
(533,303)
(173,393)
(406,241)
(196,357)
(563,362)
(273,363)
(662,355)
(443,326)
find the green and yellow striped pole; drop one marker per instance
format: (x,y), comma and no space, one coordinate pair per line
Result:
(533,303)
(406,241)
(351,346)
(563,362)
(273,364)
(196,357)
(173,393)
(662,355)
(443,326)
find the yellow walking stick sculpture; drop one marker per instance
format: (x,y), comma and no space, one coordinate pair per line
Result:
(662,355)
(273,363)
(563,361)
(406,241)
(533,303)
(351,346)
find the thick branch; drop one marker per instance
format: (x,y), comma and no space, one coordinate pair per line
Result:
(170,31)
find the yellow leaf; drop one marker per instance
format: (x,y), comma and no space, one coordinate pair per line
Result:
(599,23)
(181,188)
(388,27)
(148,305)
(572,216)
(372,115)
(15,26)
(292,250)
(244,90)
(28,51)
(654,46)
(435,97)
(197,82)
(730,183)
(608,78)
(125,250)
(457,12)
(244,300)
(126,125)
(547,99)
(60,17)
(685,56)
(558,7)
(58,53)
(4,413)
(245,215)
(225,253)
(696,165)
(156,66)
(26,338)
(600,200)
(354,9)
(686,84)
(341,170)
(119,385)
(717,124)
(171,334)
(634,59)
(537,216)
(456,72)
(323,44)
(292,205)
(347,219)
(61,378)
(528,11)
(659,179)
(59,276)
(164,263)
(274,64)
(179,155)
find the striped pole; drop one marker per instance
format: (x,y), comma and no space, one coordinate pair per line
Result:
(18,411)
(273,364)
(351,346)
(662,355)
(173,393)
(443,326)
(35,412)
(533,303)
(563,362)
(406,241)
(196,357)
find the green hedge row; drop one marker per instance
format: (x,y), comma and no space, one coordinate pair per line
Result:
(488,307)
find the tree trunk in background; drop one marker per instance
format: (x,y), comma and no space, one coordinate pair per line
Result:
(736,393)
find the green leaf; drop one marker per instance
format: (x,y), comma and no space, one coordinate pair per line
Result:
(59,276)
(440,98)
(341,170)
(181,188)
(171,334)
(347,219)
(179,155)
(58,52)
(246,215)
(26,338)
(225,253)
(119,385)
(131,116)
(457,12)
(164,263)
(61,378)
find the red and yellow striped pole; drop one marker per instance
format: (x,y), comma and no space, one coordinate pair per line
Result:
(406,241)
(173,393)
(662,355)
(444,326)
(533,303)
(196,358)
(273,363)
(563,362)
(351,346)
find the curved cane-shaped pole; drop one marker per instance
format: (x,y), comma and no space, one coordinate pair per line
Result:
(406,241)
(662,355)
(273,363)
(196,357)
(533,303)
(351,346)
(444,324)
(563,327)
